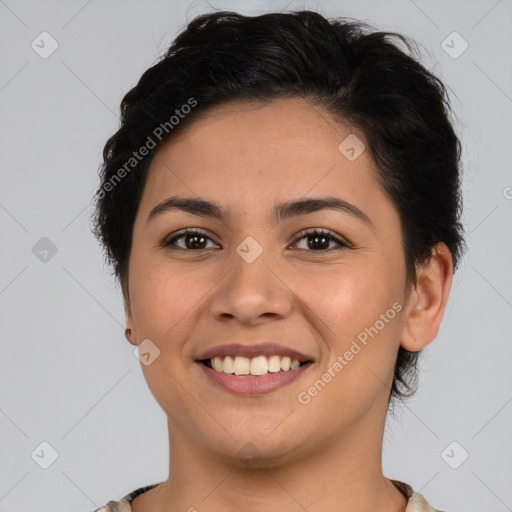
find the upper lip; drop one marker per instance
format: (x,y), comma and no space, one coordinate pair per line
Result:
(253,350)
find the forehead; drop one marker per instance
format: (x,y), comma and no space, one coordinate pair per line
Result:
(238,141)
(250,156)
(293,125)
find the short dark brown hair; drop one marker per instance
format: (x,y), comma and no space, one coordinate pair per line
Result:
(353,71)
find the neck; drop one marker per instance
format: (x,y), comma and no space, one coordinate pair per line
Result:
(343,474)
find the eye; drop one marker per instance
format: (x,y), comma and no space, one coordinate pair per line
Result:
(193,240)
(320,240)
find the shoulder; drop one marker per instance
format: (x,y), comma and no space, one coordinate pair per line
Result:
(415,501)
(124,504)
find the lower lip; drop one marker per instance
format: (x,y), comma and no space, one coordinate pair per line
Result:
(253,385)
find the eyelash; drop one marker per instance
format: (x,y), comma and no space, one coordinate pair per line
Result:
(304,234)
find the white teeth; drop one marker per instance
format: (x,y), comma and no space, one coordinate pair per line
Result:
(259,365)
(217,364)
(241,365)
(285,363)
(274,364)
(228,365)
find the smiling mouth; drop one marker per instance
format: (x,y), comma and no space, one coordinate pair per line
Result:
(253,366)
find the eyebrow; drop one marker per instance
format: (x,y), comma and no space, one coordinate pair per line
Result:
(280,212)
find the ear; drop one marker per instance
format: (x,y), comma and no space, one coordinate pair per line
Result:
(427,300)
(132,338)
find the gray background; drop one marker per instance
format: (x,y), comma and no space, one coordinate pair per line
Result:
(69,378)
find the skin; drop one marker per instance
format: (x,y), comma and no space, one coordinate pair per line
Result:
(325,455)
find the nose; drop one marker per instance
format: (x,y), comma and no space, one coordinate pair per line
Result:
(253,292)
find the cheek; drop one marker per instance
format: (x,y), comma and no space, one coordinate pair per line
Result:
(163,296)
(164,302)
(347,296)
(357,314)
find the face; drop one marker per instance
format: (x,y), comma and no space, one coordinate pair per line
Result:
(321,282)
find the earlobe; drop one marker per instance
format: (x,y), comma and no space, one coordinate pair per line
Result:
(427,301)
(129,332)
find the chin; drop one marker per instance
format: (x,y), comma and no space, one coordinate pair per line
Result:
(255,448)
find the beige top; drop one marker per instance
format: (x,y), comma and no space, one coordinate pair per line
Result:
(416,502)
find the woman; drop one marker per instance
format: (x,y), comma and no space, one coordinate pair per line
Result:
(281,206)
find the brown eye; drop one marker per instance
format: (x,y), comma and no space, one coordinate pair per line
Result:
(192,240)
(318,240)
